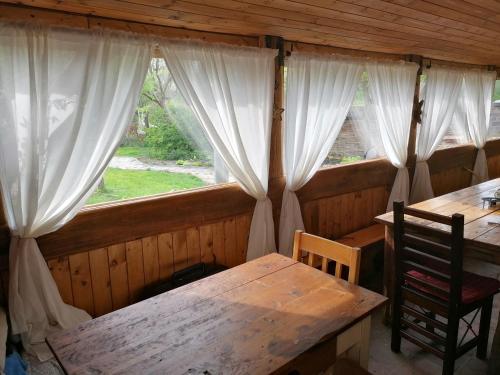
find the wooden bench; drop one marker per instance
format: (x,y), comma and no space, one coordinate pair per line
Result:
(371,242)
(364,237)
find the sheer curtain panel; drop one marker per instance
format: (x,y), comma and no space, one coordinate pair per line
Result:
(319,93)
(478,95)
(391,89)
(441,92)
(66,99)
(230,90)
(366,130)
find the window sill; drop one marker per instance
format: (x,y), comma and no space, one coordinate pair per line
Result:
(156,197)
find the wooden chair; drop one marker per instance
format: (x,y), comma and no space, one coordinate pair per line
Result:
(328,250)
(432,293)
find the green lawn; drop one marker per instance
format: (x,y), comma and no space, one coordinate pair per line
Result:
(123,184)
(134,151)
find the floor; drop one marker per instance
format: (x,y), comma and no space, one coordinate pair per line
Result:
(412,360)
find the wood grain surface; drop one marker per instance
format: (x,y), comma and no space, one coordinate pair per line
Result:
(252,319)
(458,31)
(482,225)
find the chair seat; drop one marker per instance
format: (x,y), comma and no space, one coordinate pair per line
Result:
(474,287)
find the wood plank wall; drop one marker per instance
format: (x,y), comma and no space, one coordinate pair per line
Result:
(105,279)
(109,278)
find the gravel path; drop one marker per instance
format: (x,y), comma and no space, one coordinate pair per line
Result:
(128,162)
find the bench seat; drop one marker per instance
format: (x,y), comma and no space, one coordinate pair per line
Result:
(364,237)
(371,242)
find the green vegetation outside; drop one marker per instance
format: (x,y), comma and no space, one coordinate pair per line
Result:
(124,184)
(496,95)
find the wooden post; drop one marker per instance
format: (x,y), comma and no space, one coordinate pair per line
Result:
(276,180)
(275,157)
(415,119)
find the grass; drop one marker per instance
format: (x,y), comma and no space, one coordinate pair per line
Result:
(123,184)
(133,151)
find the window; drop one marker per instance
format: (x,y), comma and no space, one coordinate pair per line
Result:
(458,132)
(495,113)
(358,138)
(164,149)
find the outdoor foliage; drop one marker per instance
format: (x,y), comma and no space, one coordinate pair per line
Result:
(165,124)
(165,139)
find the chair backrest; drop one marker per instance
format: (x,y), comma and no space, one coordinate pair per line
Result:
(433,253)
(327,250)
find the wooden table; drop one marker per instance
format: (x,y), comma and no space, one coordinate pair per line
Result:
(270,315)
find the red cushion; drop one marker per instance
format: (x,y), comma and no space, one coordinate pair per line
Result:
(474,287)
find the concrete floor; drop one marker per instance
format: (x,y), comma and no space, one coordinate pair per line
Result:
(412,360)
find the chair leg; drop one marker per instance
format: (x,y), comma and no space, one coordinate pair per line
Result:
(484,329)
(451,345)
(429,327)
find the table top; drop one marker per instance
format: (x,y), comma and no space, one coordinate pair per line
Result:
(254,318)
(482,224)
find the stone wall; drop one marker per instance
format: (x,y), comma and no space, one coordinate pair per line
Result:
(495,119)
(348,147)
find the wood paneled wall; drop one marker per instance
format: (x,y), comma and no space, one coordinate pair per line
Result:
(106,279)
(109,278)
(336,216)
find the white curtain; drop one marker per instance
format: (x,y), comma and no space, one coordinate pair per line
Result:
(319,93)
(230,90)
(440,94)
(391,89)
(478,94)
(366,129)
(66,99)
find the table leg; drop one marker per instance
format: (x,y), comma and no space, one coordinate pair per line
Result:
(354,344)
(388,271)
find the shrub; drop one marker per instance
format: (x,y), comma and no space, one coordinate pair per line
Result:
(166,141)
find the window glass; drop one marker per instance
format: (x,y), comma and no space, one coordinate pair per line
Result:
(358,138)
(164,148)
(457,134)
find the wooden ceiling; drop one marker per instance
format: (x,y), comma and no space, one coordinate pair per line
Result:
(454,30)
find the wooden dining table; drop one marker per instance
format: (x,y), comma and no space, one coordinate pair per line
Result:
(271,315)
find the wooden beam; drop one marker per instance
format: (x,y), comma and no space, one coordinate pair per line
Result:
(341,179)
(356,53)
(56,18)
(415,119)
(276,152)
(291,46)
